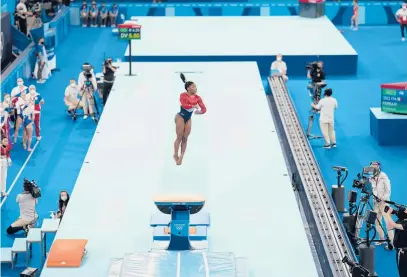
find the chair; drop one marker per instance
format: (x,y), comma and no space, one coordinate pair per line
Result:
(6,256)
(49,226)
(19,246)
(35,235)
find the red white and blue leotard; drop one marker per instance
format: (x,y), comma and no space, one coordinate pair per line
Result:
(355,9)
(187,105)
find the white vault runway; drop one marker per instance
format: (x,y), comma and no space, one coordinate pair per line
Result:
(233,158)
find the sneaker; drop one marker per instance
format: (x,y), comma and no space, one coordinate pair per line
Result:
(4,194)
(85,117)
(378,243)
(327,146)
(403,39)
(334,145)
(39,138)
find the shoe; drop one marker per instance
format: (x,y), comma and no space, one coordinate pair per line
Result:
(403,39)
(333,145)
(4,194)
(39,138)
(327,146)
(85,117)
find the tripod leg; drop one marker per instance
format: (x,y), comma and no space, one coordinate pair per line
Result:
(310,123)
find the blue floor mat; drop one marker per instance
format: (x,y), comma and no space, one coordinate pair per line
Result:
(382,59)
(58,158)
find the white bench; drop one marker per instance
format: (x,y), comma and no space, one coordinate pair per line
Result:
(49,226)
(19,246)
(35,235)
(6,256)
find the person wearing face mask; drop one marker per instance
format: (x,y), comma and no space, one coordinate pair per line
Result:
(62,204)
(5,162)
(401,17)
(381,188)
(113,13)
(38,101)
(20,103)
(16,91)
(84,14)
(71,98)
(279,68)
(41,70)
(103,15)
(94,13)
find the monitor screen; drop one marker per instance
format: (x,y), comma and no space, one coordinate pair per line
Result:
(394,98)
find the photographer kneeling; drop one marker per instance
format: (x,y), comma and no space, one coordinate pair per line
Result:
(27,200)
(317,76)
(108,78)
(400,237)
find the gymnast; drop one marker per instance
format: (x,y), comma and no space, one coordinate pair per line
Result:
(190,101)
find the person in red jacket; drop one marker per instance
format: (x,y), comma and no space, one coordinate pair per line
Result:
(401,17)
(5,162)
(190,101)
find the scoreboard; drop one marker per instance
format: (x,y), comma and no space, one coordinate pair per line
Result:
(129,31)
(394,98)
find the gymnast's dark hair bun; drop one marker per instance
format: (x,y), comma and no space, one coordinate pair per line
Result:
(184,80)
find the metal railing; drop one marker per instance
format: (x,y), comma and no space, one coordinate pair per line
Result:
(330,239)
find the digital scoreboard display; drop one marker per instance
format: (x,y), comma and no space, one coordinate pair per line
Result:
(129,31)
(394,98)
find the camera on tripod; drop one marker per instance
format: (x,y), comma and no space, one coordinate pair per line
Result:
(356,269)
(87,73)
(363,179)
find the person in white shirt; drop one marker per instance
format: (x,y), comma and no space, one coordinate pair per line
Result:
(15,92)
(401,17)
(279,68)
(87,93)
(381,190)
(28,215)
(327,107)
(71,99)
(22,13)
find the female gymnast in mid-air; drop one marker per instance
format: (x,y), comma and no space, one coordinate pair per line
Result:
(190,101)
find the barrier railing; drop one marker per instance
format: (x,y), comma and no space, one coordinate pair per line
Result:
(59,26)
(329,237)
(22,67)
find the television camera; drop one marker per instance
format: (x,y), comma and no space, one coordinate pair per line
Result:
(312,66)
(87,73)
(362,212)
(399,210)
(356,269)
(88,90)
(32,188)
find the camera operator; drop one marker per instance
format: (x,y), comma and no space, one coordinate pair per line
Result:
(27,200)
(87,85)
(317,76)
(327,106)
(400,239)
(108,78)
(381,188)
